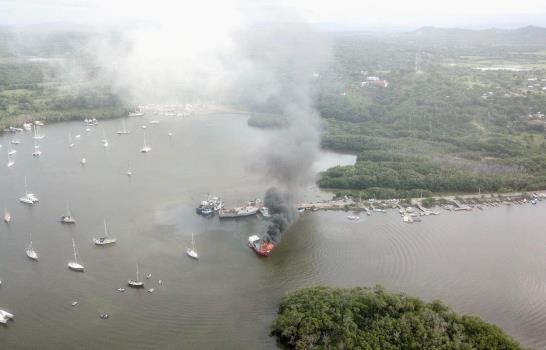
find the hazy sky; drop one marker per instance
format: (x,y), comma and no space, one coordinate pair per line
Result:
(343,13)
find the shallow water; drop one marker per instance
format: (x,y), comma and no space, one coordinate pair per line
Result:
(488,263)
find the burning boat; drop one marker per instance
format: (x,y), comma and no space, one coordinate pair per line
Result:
(260,246)
(251,208)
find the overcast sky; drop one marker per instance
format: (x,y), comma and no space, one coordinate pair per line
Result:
(346,14)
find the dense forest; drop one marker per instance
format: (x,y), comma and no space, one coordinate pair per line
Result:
(458,115)
(373,318)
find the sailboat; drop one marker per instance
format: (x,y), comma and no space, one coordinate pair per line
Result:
(74,265)
(129,172)
(11,151)
(37,151)
(7,216)
(191,251)
(68,218)
(11,162)
(28,198)
(70,142)
(104,140)
(37,135)
(136,283)
(123,130)
(146,148)
(106,239)
(31,253)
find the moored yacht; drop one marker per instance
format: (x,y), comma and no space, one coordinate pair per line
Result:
(191,251)
(31,253)
(28,198)
(145,148)
(74,265)
(68,218)
(136,283)
(106,239)
(7,216)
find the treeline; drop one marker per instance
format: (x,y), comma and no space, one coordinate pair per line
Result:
(373,318)
(436,127)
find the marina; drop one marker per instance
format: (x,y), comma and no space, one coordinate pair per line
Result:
(229,297)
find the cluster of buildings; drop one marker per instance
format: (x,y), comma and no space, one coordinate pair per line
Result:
(535,83)
(374,81)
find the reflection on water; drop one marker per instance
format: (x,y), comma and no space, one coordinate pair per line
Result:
(488,263)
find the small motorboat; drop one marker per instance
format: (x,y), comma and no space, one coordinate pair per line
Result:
(160,282)
(104,316)
(121,290)
(353,217)
(151,290)
(148,276)
(83,161)
(74,303)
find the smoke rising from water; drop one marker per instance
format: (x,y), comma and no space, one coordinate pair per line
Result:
(232,59)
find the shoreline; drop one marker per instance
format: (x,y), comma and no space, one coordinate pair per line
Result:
(458,201)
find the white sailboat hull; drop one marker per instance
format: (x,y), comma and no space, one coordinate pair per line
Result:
(192,254)
(135,284)
(104,241)
(31,254)
(74,266)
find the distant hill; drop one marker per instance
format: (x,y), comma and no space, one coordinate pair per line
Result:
(530,35)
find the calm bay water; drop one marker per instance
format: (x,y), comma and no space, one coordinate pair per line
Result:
(488,263)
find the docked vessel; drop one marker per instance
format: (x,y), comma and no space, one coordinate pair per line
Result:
(210,206)
(265,212)
(260,246)
(251,208)
(37,135)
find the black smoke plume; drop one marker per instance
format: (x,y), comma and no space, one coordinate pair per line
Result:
(282,210)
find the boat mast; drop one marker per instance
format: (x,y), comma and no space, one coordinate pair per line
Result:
(105,229)
(144,138)
(30,239)
(192,242)
(74,246)
(137,275)
(26,187)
